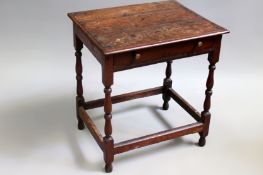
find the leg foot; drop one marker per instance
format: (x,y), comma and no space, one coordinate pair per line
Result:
(202,141)
(81,125)
(108,168)
(165,106)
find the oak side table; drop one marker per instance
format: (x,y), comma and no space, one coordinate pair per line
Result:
(127,37)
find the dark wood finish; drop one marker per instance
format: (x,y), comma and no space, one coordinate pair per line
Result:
(107,78)
(124,97)
(129,28)
(185,105)
(167,83)
(157,137)
(213,58)
(164,53)
(98,54)
(79,99)
(132,36)
(91,126)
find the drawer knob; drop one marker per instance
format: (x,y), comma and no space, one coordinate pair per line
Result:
(200,44)
(137,56)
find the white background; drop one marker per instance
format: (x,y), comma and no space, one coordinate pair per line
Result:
(38,132)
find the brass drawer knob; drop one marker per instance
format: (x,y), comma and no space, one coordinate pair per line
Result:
(200,44)
(137,56)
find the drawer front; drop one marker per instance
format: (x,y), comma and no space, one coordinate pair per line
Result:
(163,53)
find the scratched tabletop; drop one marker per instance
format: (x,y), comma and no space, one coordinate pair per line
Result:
(125,28)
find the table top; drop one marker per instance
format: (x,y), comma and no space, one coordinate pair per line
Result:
(133,27)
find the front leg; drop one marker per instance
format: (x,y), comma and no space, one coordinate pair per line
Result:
(213,58)
(107,77)
(79,99)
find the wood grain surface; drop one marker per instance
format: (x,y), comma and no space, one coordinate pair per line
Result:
(132,27)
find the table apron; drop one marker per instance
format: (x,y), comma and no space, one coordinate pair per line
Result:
(148,56)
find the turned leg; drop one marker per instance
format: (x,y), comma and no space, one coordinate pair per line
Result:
(79,99)
(167,83)
(206,115)
(108,140)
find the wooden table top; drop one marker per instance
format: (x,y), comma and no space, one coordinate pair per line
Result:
(133,27)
